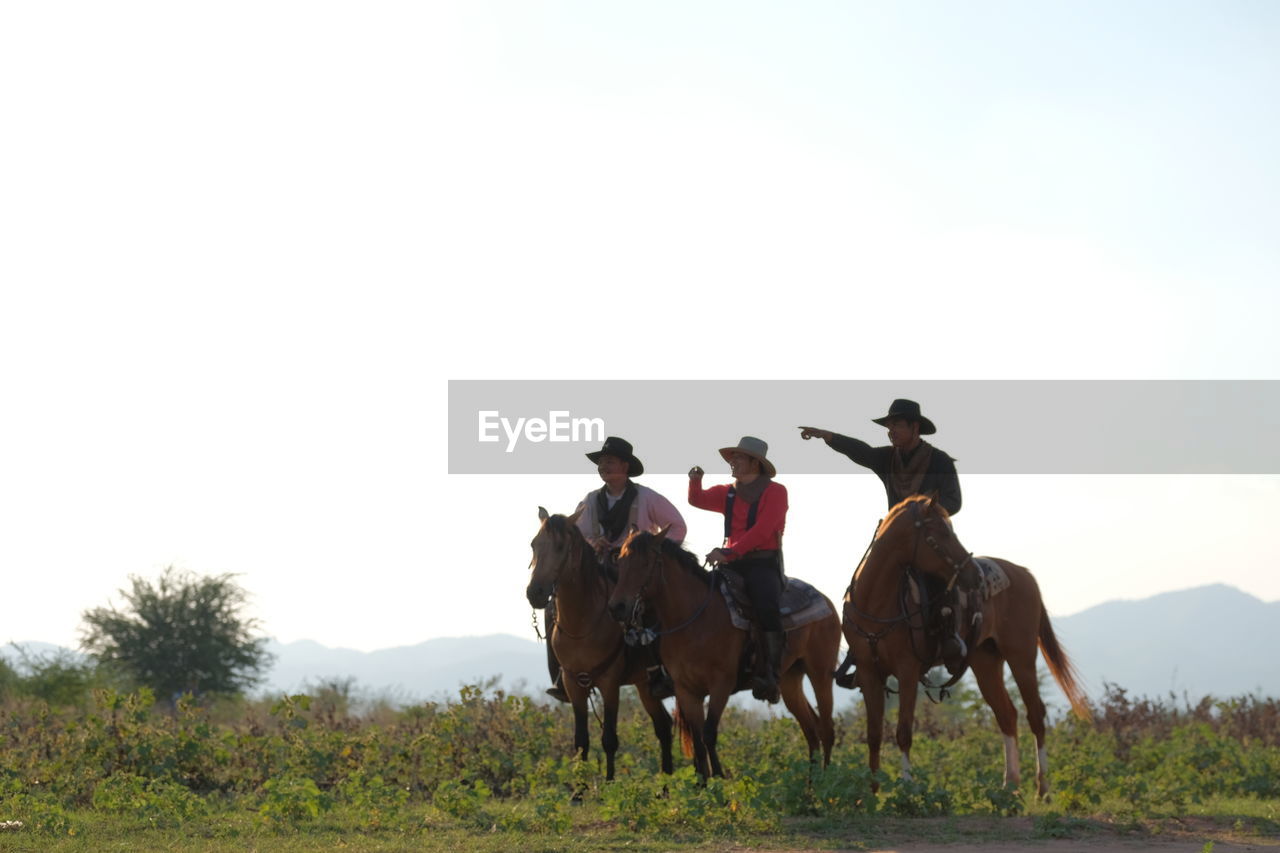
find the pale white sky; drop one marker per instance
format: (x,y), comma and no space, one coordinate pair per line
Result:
(243,247)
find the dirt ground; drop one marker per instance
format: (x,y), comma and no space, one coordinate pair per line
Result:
(1016,835)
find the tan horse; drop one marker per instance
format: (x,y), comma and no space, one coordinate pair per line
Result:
(586,641)
(886,633)
(703,650)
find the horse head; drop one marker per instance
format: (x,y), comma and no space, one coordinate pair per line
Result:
(557,544)
(920,531)
(638,562)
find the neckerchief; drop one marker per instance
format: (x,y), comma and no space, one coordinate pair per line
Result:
(752,491)
(614,521)
(906,477)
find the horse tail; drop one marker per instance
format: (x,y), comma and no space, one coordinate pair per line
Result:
(1062,669)
(686,736)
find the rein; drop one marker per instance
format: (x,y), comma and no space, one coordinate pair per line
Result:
(576,554)
(905,613)
(586,679)
(637,633)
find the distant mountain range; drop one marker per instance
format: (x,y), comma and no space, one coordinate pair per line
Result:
(1212,640)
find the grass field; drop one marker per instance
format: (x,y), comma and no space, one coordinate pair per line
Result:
(491,771)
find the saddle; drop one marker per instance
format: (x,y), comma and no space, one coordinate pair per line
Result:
(931,595)
(801,602)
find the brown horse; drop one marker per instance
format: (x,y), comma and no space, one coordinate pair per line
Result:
(888,633)
(587,642)
(703,650)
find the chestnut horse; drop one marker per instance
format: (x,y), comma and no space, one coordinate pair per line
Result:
(703,650)
(587,642)
(886,636)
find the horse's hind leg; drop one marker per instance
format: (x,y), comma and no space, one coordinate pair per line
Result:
(988,669)
(823,687)
(661,724)
(792,686)
(1024,674)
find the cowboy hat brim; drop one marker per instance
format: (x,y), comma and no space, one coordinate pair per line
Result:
(926,425)
(634,466)
(765,464)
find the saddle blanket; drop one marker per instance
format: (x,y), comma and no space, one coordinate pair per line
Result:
(801,602)
(993,579)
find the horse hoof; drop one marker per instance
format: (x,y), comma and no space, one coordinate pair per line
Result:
(849,681)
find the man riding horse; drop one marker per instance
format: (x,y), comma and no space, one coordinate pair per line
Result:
(908,466)
(755,513)
(605,518)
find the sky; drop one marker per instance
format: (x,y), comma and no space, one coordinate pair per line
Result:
(244,248)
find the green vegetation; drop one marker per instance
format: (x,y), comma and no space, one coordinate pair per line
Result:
(492,771)
(182,634)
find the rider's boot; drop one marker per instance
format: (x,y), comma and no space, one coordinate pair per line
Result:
(764,684)
(954,650)
(556,691)
(847,673)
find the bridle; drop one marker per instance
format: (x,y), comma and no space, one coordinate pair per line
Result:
(905,614)
(574,557)
(655,566)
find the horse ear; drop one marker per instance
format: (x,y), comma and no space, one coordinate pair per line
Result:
(542,514)
(577,513)
(661,535)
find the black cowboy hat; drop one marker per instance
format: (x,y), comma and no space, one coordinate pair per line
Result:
(908,410)
(621,448)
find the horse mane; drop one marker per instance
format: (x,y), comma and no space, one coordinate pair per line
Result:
(560,526)
(905,505)
(684,558)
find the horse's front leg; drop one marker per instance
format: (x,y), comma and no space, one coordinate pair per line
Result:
(873,699)
(689,706)
(907,685)
(715,709)
(581,729)
(609,737)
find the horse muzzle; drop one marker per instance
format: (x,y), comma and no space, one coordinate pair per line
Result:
(538,595)
(618,610)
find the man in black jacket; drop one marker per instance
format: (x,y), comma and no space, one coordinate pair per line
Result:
(907,466)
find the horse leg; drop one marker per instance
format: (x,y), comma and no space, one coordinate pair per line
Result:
(988,669)
(661,724)
(792,687)
(609,736)
(581,730)
(695,723)
(907,683)
(715,708)
(873,699)
(823,689)
(1024,674)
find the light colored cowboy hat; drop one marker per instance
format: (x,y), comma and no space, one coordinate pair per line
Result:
(753,447)
(908,410)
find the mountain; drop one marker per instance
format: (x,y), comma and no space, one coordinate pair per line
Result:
(434,669)
(1212,640)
